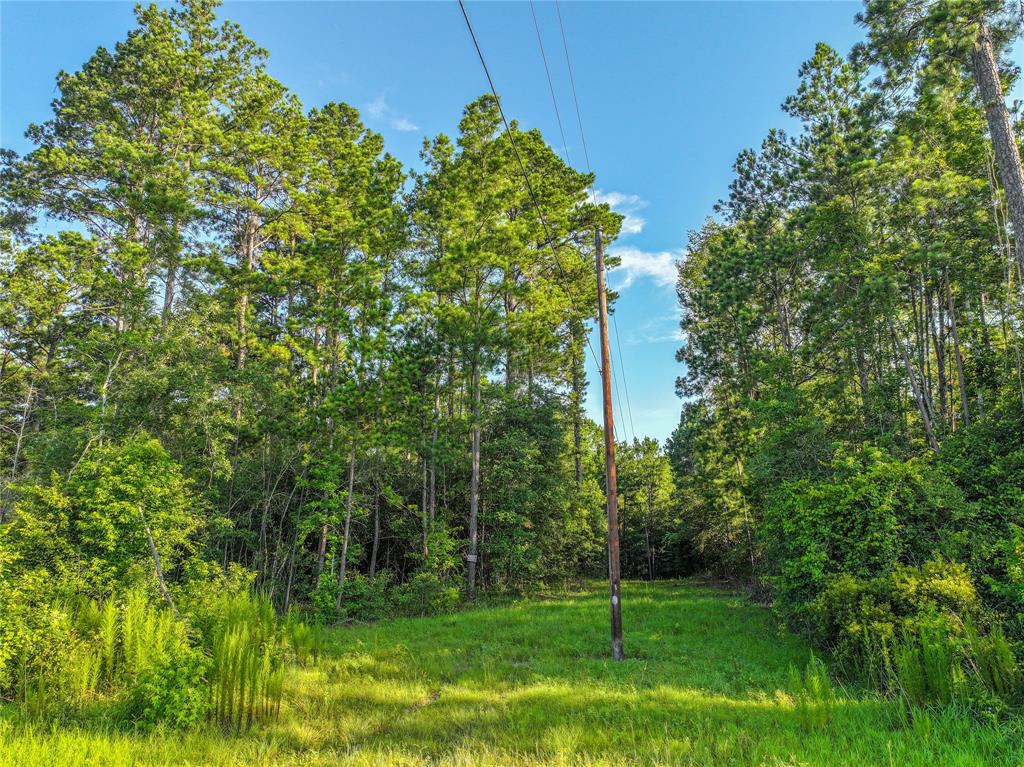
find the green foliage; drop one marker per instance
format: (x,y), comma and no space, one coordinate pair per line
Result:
(248,677)
(425,593)
(364,598)
(90,531)
(853,448)
(861,619)
(257,345)
(814,695)
(874,515)
(305,639)
(926,665)
(995,663)
(173,692)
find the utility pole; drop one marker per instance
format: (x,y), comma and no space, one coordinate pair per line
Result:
(611,482)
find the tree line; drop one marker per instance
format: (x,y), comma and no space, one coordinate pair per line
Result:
(239,333)
(853,439)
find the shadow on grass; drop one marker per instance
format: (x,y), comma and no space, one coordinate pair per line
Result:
(680,634)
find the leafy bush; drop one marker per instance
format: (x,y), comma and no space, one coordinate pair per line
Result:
(92,530)
(173,692)
(861,619)
(875,514)
(425,593)
(365,598)
(915,632)
(986,461)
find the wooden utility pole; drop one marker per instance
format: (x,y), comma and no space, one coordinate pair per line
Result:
(611,482)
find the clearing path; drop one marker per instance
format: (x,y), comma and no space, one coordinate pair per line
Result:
(707,682)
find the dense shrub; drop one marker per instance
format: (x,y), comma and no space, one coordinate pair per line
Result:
(92,530)
(917,632)
(173,692)
(426,593)
(986,461)
(874,514)
(855,617)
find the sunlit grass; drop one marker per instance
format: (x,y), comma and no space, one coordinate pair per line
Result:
(708,682)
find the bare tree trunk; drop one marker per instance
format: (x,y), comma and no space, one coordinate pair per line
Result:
(321,552)
(922,405)
(348,522)
(170,285)
(156,563)
(961,378)
(474,483)
(1004,144)
(376,531)
(939,343)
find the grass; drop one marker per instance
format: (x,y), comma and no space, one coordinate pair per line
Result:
(709,681)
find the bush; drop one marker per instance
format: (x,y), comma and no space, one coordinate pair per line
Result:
(173,692)
(91,530)
(425,593)
(915,633)
(876,514)
(861,619)
(365,598)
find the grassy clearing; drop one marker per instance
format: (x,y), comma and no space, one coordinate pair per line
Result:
(708,682)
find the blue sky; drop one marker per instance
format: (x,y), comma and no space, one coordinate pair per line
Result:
(669,94)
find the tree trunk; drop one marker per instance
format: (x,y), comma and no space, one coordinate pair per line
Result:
(939,343)
(961,378)
(156,563)
(647,532)
(1004,144)
(424,501)
(16,458)
(348,522)
(170,284)
(474,483)
(922,405)
(433,456)
(376,531)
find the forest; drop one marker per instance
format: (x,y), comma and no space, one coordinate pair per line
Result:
(853,444)
(277,411)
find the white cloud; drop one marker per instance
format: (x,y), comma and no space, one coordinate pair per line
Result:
(627,205)
(380,109)
(654,329)
(659,266)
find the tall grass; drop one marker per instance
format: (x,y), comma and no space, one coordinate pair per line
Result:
(813,694)
(248,661)
(104,646)
(120,640)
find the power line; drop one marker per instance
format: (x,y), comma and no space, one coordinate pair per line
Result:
(586,156)
(522,167)
(572,82)
(551,87)
(625,383)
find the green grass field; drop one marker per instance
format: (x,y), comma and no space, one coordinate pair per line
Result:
(707,682)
